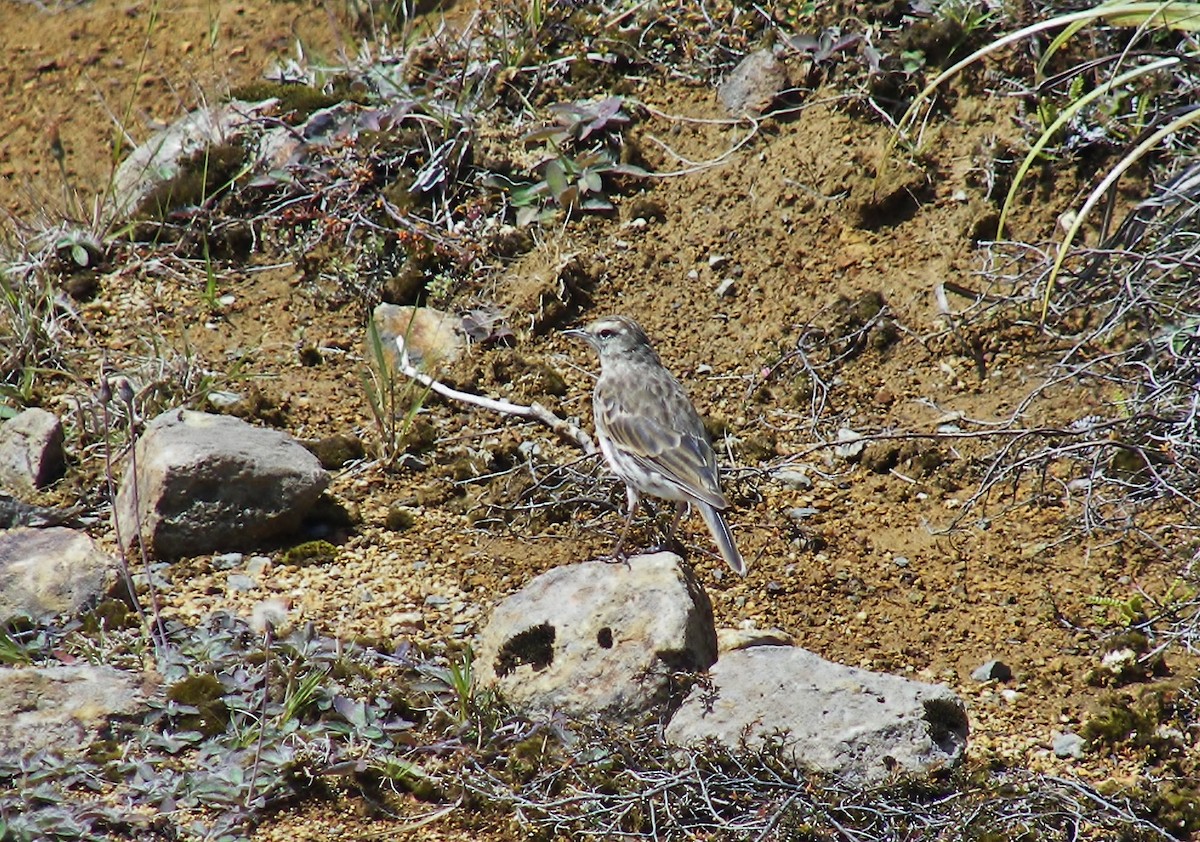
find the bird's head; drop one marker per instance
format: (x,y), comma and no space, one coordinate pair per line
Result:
(614,336)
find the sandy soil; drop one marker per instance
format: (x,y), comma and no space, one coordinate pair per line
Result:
(869,578)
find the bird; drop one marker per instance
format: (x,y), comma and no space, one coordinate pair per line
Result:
(650,433)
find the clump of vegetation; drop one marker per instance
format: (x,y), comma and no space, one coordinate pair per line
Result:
(247,722)
(244,724)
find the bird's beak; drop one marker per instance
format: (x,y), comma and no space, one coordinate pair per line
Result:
(576,333)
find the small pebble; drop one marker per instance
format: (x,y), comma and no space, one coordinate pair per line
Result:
(413,619)
(851,446)
(225,561)
(900,561)
(799,480)
(725,288)
(223,400)
(992,670)
(1069,745)
(240,582)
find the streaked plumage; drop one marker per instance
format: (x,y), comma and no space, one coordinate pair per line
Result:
(649,432)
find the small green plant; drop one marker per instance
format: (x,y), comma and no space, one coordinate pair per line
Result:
(571,184)
(210,280)
(12,652)
(1129,612)
(82,247)
(583,152)
(1142,17)
(394,405)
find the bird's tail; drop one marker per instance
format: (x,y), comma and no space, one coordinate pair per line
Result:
(721,534)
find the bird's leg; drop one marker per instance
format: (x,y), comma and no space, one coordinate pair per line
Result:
(681,506)
(633,499)
(669,543)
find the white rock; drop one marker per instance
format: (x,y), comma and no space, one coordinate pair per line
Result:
(841,720)
(793,478)
(598,638)
(851,446)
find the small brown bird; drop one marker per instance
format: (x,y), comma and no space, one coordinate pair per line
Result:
(650,434)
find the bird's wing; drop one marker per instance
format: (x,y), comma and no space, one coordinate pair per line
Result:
(655,424)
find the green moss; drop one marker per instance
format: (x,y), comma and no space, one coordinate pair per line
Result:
(108,615)
(527,758)
(335,451)
(310,552)
(296,102)
(200,177)
(204,693)
(1115,724)
(400,518)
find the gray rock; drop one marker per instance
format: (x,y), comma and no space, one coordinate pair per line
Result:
(1069,745)
(61,707)
(754,84)
(240,582)
(206,483)
(599,638)
(856,724)
(46,573)
(258,566)
(993,670)
(31,450)
(227,561)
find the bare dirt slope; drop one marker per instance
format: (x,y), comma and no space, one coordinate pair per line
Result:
(866,577)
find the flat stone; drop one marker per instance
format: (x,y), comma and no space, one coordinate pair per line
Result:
(1069,745)
(51,572)
(850,722)
(63,708)
(753,86)
(729,640)
(428,334)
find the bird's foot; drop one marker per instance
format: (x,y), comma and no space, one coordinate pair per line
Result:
(617,556)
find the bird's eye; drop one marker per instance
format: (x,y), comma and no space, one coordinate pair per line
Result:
(606,333)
